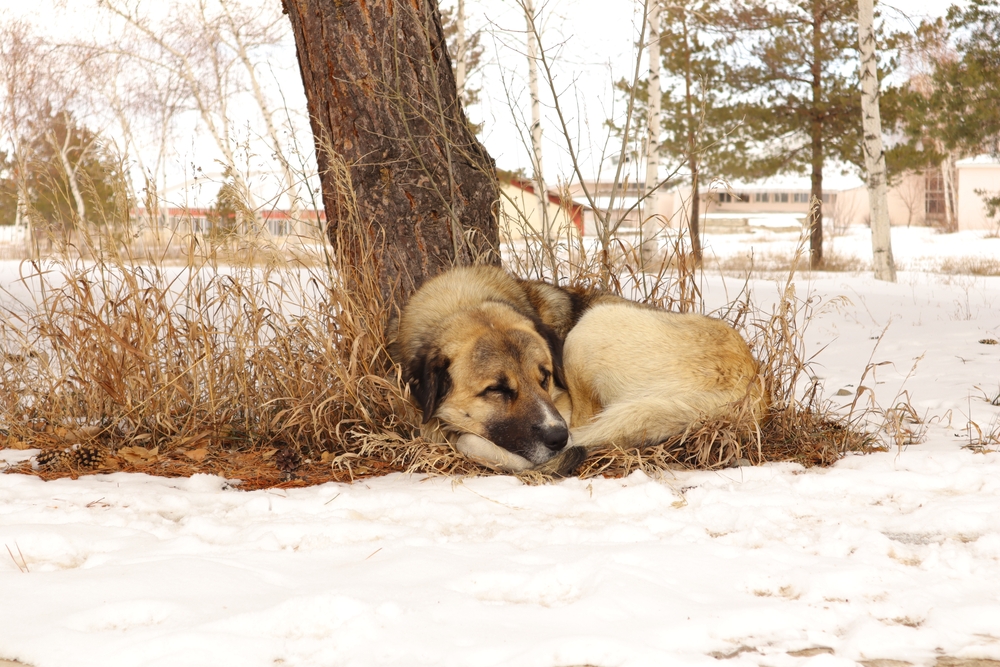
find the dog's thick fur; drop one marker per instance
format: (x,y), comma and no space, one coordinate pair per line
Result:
(482,354)
(486,355)
(638,375)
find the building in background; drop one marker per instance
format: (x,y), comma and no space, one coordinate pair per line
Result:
(978,179)
(521,212)
(782,203)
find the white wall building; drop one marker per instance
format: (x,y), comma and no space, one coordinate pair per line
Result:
(977,177)
(783,201)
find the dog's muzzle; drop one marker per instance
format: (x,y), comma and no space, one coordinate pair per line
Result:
(553,434)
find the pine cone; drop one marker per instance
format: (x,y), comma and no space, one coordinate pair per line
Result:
(288,457)
(91,455)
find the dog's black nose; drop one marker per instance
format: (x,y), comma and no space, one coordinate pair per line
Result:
(553,435)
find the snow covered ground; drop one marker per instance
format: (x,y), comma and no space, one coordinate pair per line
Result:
(886,556)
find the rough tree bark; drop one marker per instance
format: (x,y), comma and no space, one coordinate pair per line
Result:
(382,100)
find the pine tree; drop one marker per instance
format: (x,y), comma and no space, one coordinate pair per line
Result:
(969,88)
(795,67)
(695,117)
(950,107)
(956,106)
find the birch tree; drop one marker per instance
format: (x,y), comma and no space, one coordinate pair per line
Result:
(466,49)
(183,46)
(59,168)
(71,149)
(793,67)
(211,47)
(144,101)
(244,30)
(536,105)
(651,209)
(537,172)
(72,182)
(883,264)
(695,114)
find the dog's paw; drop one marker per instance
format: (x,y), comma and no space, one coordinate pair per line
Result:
(563,464)
(484,452)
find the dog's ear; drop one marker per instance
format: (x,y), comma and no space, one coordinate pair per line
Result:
(555,344)
(429,380)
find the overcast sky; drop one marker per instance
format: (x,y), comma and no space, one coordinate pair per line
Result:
(591,43)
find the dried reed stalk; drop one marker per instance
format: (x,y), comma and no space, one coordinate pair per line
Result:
(275,371)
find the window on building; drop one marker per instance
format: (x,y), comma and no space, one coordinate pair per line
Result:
(934,202)
(725,198)
(781,197)
(760,197)
(279,226)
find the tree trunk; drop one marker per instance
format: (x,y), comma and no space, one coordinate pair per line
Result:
(536,106)
(291,183)
(460,46)
(883,263)
(948,185)
(651,222)
(692,139)
(537,174)
(407,188)
(815,217)
(815,220)
(69,170)
(694,222)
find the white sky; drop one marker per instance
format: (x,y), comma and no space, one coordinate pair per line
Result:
(594,47)
(592,43)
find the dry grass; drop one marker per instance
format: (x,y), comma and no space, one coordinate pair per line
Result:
(972,266)
(784,262)
(271,369)
(272,374)
(800,427)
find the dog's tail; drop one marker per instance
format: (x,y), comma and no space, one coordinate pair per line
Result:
(646,420)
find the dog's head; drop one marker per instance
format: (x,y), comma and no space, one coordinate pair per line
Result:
(491,374)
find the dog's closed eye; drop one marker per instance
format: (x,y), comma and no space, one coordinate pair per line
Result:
(546,377)
(501,388)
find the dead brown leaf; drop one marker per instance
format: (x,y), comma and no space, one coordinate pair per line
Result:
(139,455)
(11,442)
